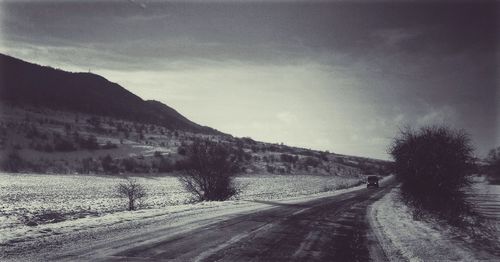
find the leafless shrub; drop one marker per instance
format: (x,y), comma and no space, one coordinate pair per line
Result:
(132,191)
(209,171)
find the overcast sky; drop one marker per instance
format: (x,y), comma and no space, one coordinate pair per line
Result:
(341,76)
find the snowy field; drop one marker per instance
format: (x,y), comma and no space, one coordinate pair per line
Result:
(41,199)
(404,238)
(72,210)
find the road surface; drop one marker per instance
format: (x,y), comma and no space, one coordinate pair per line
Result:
(328,229)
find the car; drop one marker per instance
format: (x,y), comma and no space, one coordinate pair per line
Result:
(372,181)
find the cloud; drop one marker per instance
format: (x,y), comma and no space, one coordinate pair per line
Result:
(394,36)
(74,57)
(141,5)
(438,116)
(306,74)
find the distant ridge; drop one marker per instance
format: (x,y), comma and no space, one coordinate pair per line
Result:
(24,83)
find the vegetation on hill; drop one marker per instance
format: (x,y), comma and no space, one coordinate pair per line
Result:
(51,141)
(52,121)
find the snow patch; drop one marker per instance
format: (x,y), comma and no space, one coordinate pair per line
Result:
(402,237)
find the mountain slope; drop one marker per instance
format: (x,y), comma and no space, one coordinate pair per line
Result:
(23,83)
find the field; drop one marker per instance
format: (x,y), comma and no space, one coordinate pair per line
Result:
(29,200)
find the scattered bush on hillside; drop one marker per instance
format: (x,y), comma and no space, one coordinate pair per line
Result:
(64,145)
(324,155)
(242,155)
(90,143)
(109,145)
(158,154)
(248,141)
(32,132)
(109,166)
(210,170)
(181,165)
(181,150)
(95,122)
(289,158)
(270,169)
(132,191)
(434,165)
(165,165)
(13,162)
(89,166)
(129,164)
(48,148)
(311,161)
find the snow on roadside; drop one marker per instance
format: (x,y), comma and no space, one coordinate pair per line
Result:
(78,202)
(402,237)
(54,198)
(486,199)
(29,243)
(33,243)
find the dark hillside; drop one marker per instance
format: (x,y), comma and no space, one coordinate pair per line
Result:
(23,83)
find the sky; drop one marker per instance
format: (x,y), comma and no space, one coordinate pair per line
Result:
(343,76)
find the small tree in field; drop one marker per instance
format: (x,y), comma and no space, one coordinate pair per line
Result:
(434,165)
(209,171)
(132,191)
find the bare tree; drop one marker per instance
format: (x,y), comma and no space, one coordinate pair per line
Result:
(131,190)
(209,171)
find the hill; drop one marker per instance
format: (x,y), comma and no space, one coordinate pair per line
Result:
(24,83)
(52,121)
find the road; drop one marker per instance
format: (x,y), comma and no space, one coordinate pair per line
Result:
(328,229)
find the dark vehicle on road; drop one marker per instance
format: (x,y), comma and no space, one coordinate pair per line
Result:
(372,181)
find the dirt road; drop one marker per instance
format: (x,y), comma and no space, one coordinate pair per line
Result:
(326,229)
